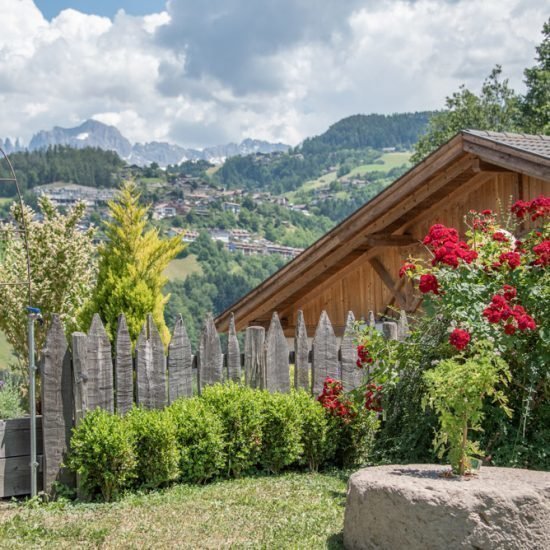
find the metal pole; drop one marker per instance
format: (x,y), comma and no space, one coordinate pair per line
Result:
(33,313)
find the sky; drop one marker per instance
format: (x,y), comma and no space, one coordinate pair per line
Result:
(201,73)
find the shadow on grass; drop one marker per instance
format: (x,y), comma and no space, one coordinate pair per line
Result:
(336,541)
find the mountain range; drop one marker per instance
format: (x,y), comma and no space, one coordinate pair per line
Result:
(93,133)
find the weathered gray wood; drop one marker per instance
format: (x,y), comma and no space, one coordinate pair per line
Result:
(402,326)
(233,353)
(15,478)
(325,354)
(301,355)
(150,368)
(352,375)
(180,362)
(57,405)
(80,374)
(210,362)
(389,330)
(276,360)
(124,368)
(100,384)
(371,321)
(15,437)
(254,357)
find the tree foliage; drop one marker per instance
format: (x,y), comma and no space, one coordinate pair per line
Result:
(131,265)
(62,271)
(497,107)
(535,105)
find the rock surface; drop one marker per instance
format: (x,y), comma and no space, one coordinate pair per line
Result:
(414,507)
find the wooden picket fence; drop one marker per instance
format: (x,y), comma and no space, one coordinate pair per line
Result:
(90,373)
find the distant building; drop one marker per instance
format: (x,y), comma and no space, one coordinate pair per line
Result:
(68,194)
(232,207)
(163,210)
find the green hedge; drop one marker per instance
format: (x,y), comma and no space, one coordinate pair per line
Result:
(228,431)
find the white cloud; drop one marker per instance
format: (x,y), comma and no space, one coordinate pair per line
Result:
(205,73)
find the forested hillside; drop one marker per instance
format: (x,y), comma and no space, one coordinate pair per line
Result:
(350,142)
(89,166)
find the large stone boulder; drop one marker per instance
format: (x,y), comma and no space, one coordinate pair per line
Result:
(416,507)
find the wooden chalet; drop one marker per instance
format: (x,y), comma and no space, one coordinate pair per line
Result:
(355,265)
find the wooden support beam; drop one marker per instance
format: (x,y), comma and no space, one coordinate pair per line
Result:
(387,279)
(385,239)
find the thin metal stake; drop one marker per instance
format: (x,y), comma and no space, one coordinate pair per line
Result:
(33,314)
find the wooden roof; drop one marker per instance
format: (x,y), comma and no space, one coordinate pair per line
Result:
(382,221)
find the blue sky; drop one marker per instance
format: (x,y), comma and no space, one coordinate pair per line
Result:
(50,8)
(207,72)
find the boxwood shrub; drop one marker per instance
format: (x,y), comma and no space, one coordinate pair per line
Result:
(200,438)
(103,454)
(156,449)
(240,410)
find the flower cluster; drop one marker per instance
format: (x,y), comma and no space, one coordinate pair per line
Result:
(373,397)
(406,269)
(363,356)
(428,283)
(512,259)
(542,251)
(459,338)
(332,399)
(513,317)
(537,208)
(446,246)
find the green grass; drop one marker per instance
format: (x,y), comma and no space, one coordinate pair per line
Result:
(288,511)
(180,269)
(390,160)
(322,181)
(6,200)
(5,352)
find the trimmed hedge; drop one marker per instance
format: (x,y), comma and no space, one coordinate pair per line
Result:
(228,431)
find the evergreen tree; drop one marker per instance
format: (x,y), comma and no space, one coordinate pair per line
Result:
(131,263)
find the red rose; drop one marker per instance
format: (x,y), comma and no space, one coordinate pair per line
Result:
(526,322)
(509,292)
(406,267)
(510,329)
(459,338)
(428,283)
(500,237)
(513,259)
(542,251)
(487,212)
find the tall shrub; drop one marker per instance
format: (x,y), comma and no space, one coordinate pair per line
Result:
(62,270)
(131,263)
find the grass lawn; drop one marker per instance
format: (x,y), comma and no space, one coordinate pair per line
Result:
(180,269)
(5,352)
(288,511)
(323,181)
(390,160)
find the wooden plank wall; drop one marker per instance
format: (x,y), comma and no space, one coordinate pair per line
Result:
(359,287)
(15,456)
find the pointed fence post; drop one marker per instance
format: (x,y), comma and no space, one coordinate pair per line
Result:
(57,406)
(233,353)
(402,326)
(210,360)
(150,367)
(80,375)
(124,368)
(325,354)
(352,375)
(254,357)
(371,320)
(180,363)
(389,330)
(301,355)
(276,360)
(100,368)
